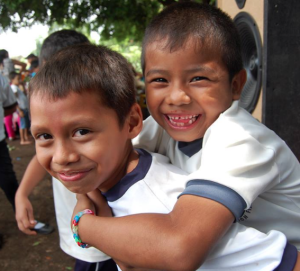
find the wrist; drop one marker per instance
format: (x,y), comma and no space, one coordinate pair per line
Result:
(75,226)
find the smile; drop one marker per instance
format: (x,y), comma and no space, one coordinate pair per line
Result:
(72,176)
(182,121)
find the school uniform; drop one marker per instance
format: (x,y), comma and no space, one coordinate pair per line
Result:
(240,163)
(90,259)
(153,187)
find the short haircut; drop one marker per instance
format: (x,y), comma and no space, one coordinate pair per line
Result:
(34,64)
(31,56)
(3,55)
(59,40)
(88,68)
(12,75)
(204,24)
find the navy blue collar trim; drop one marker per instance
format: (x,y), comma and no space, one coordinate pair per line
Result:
(190,148)
(139,173)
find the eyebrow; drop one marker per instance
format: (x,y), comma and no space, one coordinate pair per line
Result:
(76,122)
(192,70)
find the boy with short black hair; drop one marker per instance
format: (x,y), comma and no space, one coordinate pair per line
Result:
(64,200)
(83,128)
(194,76)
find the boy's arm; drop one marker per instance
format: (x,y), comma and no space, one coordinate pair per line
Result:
(20,64)
(179,240)
(33,175)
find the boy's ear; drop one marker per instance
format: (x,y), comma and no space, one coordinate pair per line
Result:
(238,83)
(135,121)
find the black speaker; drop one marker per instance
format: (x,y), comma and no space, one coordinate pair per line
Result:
(252,59)
(274,66)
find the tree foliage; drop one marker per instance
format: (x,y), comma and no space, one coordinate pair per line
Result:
(118,19)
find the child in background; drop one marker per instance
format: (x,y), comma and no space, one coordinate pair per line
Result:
(64,200)
(22,108)
(83,131)
(34,67)
(194,76)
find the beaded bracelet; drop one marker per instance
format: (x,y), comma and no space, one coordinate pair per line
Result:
(75,227)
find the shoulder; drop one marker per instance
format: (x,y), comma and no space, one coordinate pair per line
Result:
(235,126)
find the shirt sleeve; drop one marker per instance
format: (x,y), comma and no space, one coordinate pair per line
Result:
(236,165)
(217,192)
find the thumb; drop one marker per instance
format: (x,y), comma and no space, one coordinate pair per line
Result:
(31,217)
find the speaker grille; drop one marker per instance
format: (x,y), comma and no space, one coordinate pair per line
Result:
(252,59)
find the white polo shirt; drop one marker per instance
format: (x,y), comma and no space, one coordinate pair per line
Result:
(153,187)
(65,202)
(241,164)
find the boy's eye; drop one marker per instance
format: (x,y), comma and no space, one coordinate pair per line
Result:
(82,132)
(198,78)
(159,80)
(44,137)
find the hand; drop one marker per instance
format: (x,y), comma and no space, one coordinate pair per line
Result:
(83,202)
(24,215)
(100,203)
(21,114)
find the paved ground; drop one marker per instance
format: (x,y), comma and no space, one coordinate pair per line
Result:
(35,253)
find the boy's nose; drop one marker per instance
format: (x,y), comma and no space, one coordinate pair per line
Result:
(64,154)
(178,96)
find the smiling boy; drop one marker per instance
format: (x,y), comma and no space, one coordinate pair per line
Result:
(194,76)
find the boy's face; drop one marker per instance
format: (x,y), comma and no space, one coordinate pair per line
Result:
(187,89)
(79,141)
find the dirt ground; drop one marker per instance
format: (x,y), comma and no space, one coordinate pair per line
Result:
(21,252)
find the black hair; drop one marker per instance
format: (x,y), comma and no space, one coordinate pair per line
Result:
(204,24)
(12,75)
(34,64)
(3,55)
(59,40)
(88,68)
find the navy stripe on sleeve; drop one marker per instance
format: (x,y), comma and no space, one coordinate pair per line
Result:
(289,259)
(217,192)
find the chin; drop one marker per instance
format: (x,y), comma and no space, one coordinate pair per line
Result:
(183,137)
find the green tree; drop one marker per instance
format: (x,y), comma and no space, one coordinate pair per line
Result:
(118,19)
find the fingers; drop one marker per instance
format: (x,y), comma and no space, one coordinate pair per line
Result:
(100,203)
(25,218)
(97,197)
(26,224)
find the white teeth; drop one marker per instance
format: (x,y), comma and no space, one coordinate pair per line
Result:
(192,119)
(183,118)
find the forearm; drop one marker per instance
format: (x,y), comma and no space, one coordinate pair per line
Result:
(180,240)
(33,175)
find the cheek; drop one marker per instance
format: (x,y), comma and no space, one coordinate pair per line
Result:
(43,157)
(153,101)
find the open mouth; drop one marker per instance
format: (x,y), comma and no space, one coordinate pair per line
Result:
(182,121)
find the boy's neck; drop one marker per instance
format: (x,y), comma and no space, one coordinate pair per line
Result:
(131,160)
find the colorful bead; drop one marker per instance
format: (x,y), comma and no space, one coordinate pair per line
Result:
(75,227)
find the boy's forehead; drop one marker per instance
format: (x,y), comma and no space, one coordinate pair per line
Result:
(42,95)
(207,48)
